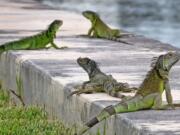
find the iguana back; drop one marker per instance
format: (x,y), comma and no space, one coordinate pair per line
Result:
(152,83)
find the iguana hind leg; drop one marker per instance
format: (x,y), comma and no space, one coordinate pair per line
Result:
(114,89)
(90,31)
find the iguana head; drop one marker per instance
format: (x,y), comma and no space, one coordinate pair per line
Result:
(54,26)
(88,65)
(166,61)
(90,15)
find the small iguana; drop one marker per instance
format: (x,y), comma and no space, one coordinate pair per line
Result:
(100,30)
(149,94)
(38,41)
(99,81)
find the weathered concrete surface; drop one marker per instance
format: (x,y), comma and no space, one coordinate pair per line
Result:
(49,75)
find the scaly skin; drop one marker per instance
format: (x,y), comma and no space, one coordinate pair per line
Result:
(149,94)
(100,82)
(38,41)
(99,29)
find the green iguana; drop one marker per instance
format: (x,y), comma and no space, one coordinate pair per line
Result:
(149,94)
(99,81)
(100,30)
(38,41)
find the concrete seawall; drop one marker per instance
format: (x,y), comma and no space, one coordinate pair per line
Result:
(48,76)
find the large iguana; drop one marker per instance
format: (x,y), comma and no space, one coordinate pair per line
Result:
(99,81)
(149,94)
(100,30)
(38,41)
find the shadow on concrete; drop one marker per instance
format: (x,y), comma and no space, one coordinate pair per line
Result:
(22,1)
(39,8)
(17,31)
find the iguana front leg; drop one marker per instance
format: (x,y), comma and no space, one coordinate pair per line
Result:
(80,91)
(168,93)
(90,88)
(92,28)
(158,98)
(90,31)
(158,103)
(56,47)
(47,47)
(85,83)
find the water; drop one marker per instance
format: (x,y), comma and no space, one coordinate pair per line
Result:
(158,19)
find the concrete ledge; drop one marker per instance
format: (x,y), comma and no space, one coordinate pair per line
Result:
(48,76)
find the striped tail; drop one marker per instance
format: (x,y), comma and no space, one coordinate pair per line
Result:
(119,40)
(133,104)
(107,112)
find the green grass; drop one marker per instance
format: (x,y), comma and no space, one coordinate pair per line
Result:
(4,98)
(28,113)
(32,127)
(16,120)
(19,120)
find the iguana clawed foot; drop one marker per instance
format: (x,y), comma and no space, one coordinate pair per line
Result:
(63,47)
(164,107)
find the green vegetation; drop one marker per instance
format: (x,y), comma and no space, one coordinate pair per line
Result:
(19,89)
(19,120)
(4,98)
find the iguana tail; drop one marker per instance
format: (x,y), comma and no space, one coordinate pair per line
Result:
(133,104)
(119,40)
